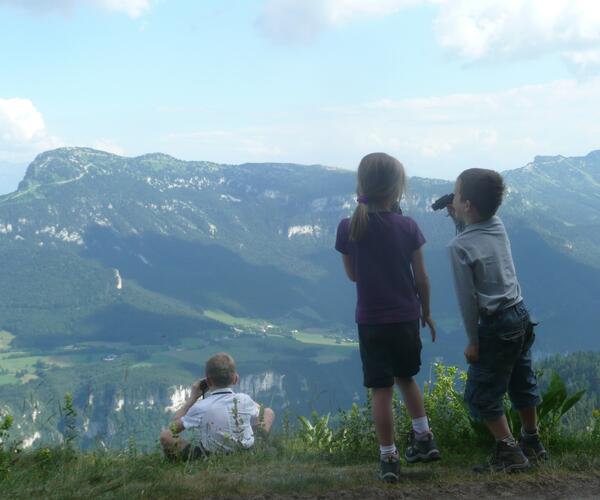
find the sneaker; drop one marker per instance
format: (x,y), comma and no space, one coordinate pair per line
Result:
(507,457)
(421,448)
(390,469)
(532,447)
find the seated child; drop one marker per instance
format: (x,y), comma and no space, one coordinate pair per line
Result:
(222,421)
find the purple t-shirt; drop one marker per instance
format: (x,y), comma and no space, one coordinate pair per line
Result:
(381,260)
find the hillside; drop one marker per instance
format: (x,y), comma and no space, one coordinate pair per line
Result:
(121,275)
(93,242)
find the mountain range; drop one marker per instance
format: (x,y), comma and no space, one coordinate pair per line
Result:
(151,263)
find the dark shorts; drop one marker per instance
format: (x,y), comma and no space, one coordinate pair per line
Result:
(504,365)
(388,351)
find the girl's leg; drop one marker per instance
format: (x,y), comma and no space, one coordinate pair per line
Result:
(383,416)
(422,446)
(413,399)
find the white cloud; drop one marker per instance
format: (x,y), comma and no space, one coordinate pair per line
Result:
(502,129)
(20,121)
(133,8)
(480,29)
(22,130)
(301,21)
(435,137)
(584,63)
(474,30)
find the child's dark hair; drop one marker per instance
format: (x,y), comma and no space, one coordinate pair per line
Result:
(483,188)
(381,180)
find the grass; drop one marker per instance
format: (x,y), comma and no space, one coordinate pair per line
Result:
(141,365)
(320,456)
(316,337)
(16,361)
(277,468)
(320,339)
(229,320)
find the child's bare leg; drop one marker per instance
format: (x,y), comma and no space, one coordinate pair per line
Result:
(268,417)
(529,419)
(172,445)
(499,428)
(383,415)
(413,399)
(422,446)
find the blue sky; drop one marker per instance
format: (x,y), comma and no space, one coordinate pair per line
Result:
(443,85)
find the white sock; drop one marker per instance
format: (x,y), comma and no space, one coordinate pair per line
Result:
(388,451)
(420,425)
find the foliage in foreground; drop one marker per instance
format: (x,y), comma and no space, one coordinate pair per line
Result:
(350,436)
(342,440)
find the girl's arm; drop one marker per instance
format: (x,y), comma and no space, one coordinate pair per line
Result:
(348,267)
(423,289)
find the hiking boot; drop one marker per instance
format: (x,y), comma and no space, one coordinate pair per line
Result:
(390,469)
(532,447)
(507,457)
(421,448)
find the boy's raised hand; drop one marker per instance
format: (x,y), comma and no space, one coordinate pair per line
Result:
(427,321)
(199,387)
(472,353)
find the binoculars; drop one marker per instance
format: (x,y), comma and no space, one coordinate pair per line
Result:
(443,202)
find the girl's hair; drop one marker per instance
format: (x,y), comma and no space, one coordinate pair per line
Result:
(381,180)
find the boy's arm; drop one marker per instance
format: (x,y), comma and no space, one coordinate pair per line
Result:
(176,425)
(465,291)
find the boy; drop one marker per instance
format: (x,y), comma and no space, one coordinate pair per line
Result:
(223,420)
(496,320)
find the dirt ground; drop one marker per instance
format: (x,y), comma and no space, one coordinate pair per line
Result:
(576,486)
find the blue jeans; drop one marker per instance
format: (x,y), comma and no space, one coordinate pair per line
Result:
(505,364)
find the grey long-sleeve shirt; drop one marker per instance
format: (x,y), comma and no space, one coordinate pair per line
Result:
(484,273)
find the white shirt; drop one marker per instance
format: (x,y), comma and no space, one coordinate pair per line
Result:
(222,421)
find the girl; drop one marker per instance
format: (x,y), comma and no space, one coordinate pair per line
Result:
(382,254)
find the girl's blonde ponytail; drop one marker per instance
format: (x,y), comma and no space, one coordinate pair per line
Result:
(359,222)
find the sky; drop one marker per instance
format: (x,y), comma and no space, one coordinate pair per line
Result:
(443,85)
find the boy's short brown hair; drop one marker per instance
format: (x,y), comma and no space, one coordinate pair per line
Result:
(221,370)
(483,188)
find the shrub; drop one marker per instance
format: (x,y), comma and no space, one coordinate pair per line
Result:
(9,449)
(353,438)
(595,427)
